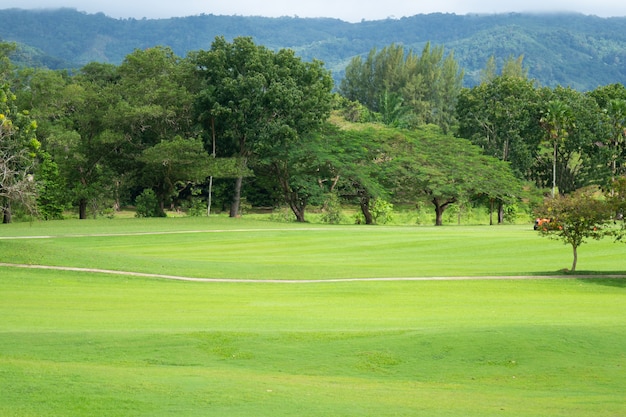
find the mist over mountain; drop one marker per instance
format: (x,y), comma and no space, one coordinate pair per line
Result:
(574,50)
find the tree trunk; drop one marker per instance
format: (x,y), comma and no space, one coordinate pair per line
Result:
(440,208)
(575,250)
(299,213)
(7,216)
(82,209)
(234,207)
(554,171)
(500,212)
(439,215)
(364,201)
(209,202)
(208,206)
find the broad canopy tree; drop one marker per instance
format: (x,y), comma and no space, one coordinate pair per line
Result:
(447,170)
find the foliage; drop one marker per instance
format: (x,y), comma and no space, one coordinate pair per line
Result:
(172,161)
(331,211)
(575,218)
(147,205)
(557,121)
(18,150)
(406,88)
(567,49)
(501,117)
(617,202)
(51,199)
(262,104)
(382,211)
(445,170)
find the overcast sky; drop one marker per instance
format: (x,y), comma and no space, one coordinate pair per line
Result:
(349,10)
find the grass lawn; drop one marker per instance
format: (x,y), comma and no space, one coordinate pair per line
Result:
(84,344)
(238,248)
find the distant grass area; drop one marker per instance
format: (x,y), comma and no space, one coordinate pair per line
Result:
(219,247)
(85,344)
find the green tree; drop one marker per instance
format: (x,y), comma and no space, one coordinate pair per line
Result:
(428,84)
(575,218)
(500,116)
(557,122)
(617,201)
(354,159)
(446,170)
(175,161)
(51,199)
(581,159)
(616,143)
(263,105)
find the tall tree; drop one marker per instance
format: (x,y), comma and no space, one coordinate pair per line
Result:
(557,121)
(500,116)
(262,104)
(616,143)
(428,83)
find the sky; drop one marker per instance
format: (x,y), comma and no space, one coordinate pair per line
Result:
(348,10)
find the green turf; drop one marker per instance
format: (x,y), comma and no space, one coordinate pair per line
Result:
(223,248)
(80,344)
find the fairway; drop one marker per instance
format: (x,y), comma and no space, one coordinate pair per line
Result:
(82,344)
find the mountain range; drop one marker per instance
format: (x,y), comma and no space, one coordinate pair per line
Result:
(575,50)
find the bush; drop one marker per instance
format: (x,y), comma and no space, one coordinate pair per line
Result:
(147,205)
(196,207)
(282,215)
(382,211)
(331,212)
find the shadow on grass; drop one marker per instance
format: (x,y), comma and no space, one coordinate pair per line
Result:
(608,278)
(618,282)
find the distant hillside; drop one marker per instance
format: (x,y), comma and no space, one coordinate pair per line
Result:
(567,49)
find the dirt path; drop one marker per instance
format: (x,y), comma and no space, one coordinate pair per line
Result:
(303,281)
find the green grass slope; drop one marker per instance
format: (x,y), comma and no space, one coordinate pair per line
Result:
(76,344)
(84,344)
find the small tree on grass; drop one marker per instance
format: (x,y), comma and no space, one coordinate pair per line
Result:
(575,218)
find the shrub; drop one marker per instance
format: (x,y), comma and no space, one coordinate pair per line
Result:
(147,205)
(382,211)
(331,212)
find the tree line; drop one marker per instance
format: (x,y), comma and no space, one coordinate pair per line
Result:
(240,123)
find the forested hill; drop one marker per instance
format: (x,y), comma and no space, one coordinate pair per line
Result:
(559,49)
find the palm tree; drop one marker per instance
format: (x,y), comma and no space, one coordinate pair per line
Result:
(556,120)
